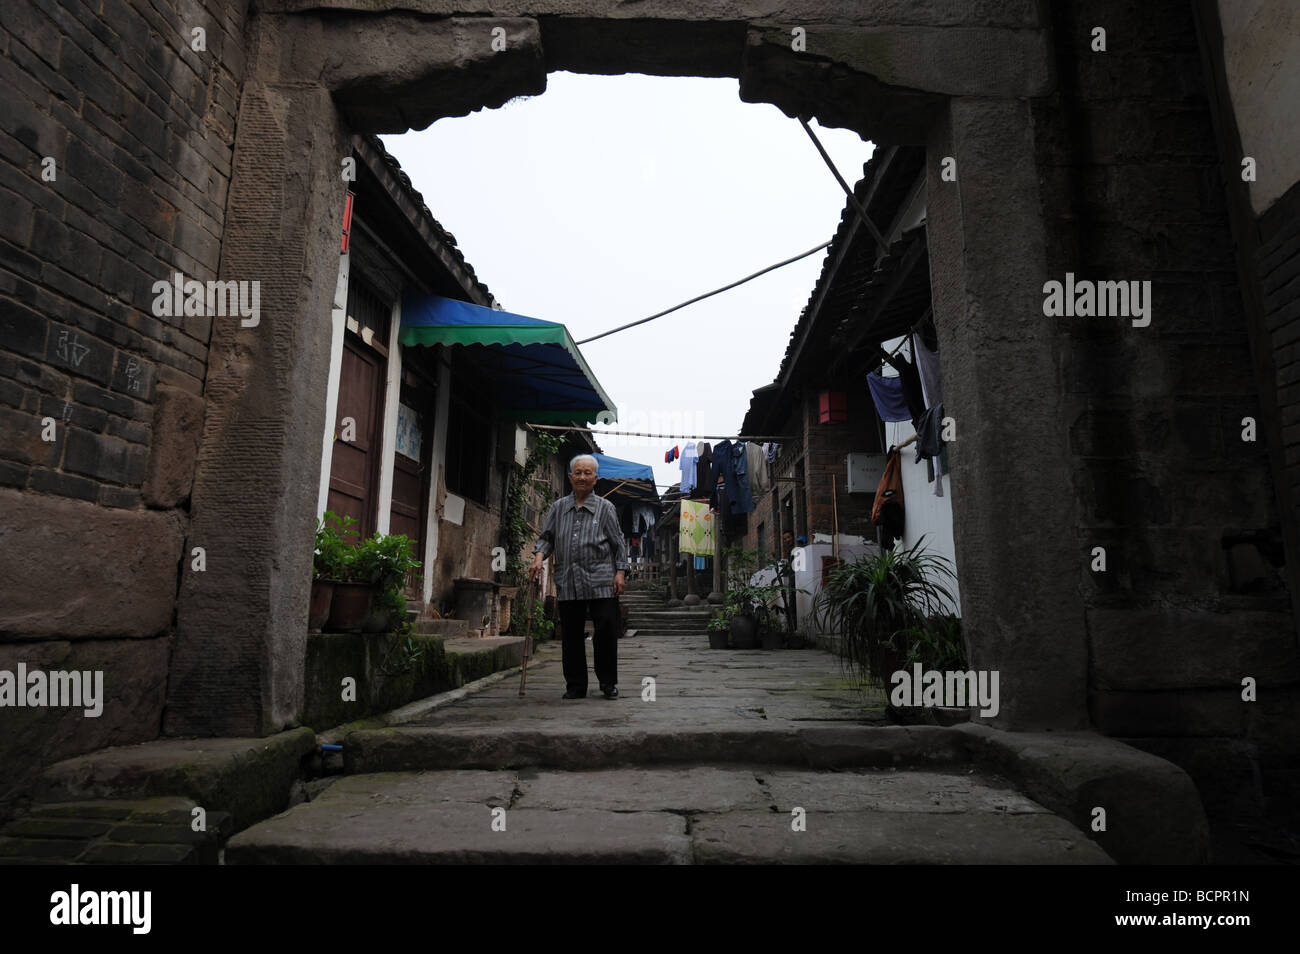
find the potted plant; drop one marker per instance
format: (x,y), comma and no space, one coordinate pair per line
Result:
(719,627)
(885,604)
(331,569)
(381,563)
(747,602)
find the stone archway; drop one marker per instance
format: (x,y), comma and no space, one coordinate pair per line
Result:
(956,77)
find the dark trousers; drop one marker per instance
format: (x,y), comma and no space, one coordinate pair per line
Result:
(604,643)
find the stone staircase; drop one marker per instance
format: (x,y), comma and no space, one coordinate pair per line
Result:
(650,617)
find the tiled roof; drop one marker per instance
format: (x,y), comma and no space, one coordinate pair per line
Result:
(446,238)
(838,298)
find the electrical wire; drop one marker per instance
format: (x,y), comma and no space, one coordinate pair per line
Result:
(716,291)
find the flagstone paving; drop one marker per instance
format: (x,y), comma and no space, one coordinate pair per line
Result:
(708,763)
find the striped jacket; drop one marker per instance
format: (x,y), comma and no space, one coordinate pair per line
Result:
(587,545)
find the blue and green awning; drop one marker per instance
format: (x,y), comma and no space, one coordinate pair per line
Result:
(539,373)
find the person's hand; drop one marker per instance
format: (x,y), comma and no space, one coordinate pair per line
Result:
(620,583)
(535,568)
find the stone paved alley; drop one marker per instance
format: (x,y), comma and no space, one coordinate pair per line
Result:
(711,770)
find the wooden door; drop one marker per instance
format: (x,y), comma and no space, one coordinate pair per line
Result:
(354,467)
(409,509)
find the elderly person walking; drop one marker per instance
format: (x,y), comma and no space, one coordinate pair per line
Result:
(582,533)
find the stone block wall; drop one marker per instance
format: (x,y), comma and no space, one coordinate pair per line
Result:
(116,139)
(1192,599)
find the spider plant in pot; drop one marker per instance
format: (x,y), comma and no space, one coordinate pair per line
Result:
(882,604)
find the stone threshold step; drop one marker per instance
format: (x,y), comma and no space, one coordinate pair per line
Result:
(249,779)
(666,815)
(1069,773)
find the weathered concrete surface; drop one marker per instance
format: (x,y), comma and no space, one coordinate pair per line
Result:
(1153,813)
(249,778)
(400,72)
(387,677)
(177,426)
(236,666)
(666,815)
(134,686)
(791,713)
(123,564)
(143,831)
(885,838)
(447,817)
(1023,613)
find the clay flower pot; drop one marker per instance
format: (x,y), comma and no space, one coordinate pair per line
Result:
(322,594)
(350,607)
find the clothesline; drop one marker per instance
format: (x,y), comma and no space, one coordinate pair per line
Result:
(667,437)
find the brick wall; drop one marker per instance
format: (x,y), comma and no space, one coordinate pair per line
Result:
(115,146)
(1132,191)
(828,447)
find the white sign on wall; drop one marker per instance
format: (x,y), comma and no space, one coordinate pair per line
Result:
(408,432)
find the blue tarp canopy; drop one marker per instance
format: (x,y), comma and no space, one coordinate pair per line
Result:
(625,481)
(612,468)
(538,372)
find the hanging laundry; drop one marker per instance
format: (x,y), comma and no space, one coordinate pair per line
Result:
(927,362)
(700,564)
(887,509)
(929,443)
(696,528)
(756,465)
(704,467)
(887,394)
(771,450)
(729,470)
(913,395)
(689,468)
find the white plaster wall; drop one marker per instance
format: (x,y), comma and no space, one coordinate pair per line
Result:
(1261,55)
(338,318)
(925,514)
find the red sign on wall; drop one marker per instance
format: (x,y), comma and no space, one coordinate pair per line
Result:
(347,222)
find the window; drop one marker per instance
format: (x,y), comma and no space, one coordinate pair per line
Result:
(369,310)
(762,541)
(469,450)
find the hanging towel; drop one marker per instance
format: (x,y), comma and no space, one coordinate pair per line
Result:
(699,563)
(695,535)
(887,394)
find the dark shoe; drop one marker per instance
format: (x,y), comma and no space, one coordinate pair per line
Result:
(611,692)
(570,694)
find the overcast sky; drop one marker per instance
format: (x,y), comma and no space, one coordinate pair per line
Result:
(609,198)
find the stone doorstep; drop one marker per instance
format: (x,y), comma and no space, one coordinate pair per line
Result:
(119,831)
(669,815)
(1154,811)
(247,778)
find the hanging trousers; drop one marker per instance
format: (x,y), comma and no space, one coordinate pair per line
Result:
(604,642)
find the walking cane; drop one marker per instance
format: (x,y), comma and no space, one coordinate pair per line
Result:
(528,635)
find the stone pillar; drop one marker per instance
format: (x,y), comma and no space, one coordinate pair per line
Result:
(1015,528)
(692,598)
(237,660)
(673,598)
(716,597)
